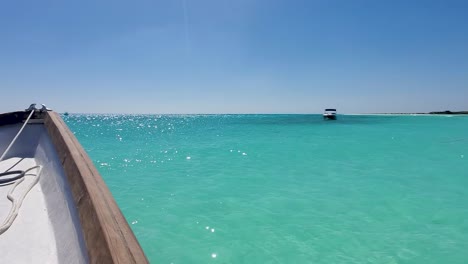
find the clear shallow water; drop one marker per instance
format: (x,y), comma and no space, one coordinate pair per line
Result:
(287,188)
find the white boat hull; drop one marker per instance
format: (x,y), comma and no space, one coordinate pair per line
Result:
(47,224)
(69,216)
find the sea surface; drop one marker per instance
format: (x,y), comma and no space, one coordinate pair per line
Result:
(287,188)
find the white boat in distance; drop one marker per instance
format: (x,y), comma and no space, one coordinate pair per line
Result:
(329,114)
(54,205)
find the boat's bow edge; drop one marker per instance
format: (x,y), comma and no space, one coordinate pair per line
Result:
(107,235)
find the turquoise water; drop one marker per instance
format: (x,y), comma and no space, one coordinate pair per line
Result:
(287,188)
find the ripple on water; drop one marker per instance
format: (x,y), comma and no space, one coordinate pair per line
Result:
(382,189)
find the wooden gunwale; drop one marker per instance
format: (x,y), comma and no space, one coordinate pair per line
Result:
(107,235)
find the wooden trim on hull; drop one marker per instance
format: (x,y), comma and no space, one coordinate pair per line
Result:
(106,233)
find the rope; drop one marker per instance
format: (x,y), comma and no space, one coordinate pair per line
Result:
(16,204)
(11,179)
(17,135)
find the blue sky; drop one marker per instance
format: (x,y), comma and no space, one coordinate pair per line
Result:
(243,56)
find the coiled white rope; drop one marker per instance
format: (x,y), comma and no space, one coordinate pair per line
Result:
(16,203)
(17,135)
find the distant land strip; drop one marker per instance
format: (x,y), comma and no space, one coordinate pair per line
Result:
(430,113)
(449,113)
